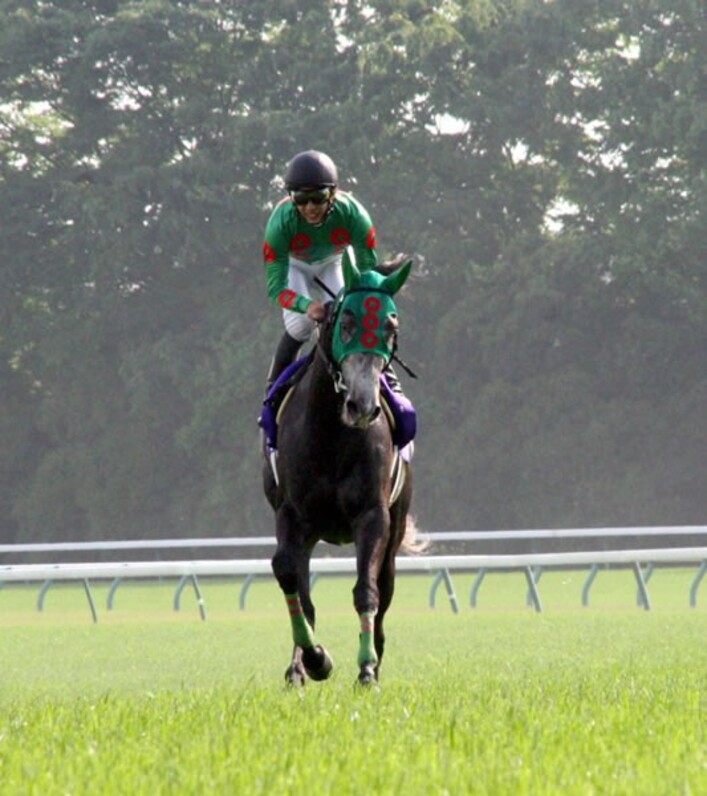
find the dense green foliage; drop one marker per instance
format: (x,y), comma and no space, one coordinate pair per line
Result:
(488,701)
(546,160)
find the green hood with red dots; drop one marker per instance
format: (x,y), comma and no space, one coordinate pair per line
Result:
(365,312)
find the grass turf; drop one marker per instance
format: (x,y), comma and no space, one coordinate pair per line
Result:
(607,699)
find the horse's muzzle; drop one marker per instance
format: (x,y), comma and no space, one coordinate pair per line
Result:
(361,376)
(357,416)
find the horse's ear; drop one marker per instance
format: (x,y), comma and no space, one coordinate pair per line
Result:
(352,276)
(393,282)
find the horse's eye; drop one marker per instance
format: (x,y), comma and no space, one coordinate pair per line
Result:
(347,326)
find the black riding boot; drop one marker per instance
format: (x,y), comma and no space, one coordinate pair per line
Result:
(285,354)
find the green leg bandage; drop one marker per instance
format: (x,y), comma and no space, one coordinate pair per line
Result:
(302,633)
(366,648)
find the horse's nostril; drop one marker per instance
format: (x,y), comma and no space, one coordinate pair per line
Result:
(361,413)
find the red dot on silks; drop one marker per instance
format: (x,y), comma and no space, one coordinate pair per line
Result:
(341,237)
(287,298)
(269,253)
(372,304)
(300,242)
(369,339)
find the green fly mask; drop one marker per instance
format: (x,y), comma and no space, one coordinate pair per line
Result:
(365,314)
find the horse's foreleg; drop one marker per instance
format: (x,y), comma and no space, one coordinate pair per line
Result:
(302,629)
(308,657)
(291,568)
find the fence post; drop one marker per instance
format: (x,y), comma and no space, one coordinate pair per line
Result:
(443,577)
(477,585)
(696,584)
(593,572)
(642,590)
(532,589)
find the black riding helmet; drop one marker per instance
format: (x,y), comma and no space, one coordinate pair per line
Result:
(311,169)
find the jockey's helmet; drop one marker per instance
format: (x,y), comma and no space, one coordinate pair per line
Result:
(311,169)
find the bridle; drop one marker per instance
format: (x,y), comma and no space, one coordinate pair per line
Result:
(332,365)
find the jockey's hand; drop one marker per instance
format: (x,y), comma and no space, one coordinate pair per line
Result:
(389,266)
(316,311)
(396,261)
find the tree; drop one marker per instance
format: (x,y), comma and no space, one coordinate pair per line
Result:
(543,159)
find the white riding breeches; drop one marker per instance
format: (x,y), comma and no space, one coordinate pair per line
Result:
(301,280)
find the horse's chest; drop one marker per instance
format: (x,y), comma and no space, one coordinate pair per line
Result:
(337,487)
(332,474)
(347,467)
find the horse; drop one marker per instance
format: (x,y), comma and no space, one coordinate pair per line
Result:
(339,476)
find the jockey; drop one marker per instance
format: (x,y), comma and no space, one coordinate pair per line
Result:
(305,237)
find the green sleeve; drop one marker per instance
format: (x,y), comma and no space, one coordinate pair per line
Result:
(363,237)
(277,263)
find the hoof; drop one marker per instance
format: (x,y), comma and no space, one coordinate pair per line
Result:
(295,676)
(368,676)
(317,663)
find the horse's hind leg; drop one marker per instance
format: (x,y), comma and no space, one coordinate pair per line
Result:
(372,558)
(372,638)
(386,586)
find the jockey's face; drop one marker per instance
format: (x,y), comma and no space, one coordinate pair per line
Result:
(313,203)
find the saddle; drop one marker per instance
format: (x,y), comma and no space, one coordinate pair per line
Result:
(398,408)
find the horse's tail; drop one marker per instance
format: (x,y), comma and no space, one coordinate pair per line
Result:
(412,544)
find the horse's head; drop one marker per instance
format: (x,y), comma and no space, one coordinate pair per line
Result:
(364,336)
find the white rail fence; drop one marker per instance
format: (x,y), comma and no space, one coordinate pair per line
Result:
(641,561)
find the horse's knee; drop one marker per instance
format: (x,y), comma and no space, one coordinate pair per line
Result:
(285,571)
(365,597)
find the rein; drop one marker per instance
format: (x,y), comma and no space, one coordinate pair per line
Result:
(333,369)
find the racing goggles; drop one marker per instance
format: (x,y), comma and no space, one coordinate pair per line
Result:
(317,196)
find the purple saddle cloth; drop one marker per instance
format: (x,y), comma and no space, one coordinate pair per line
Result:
(401,407)
(403,413)
(268,415)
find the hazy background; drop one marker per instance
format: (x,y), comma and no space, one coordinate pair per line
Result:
(547,161)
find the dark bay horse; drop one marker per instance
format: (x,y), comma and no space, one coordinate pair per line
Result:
(334,475)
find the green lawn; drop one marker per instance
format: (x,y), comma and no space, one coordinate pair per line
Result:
(500,700)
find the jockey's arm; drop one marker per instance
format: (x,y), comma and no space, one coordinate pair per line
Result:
(276,272)
(277,264)
(363,241)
